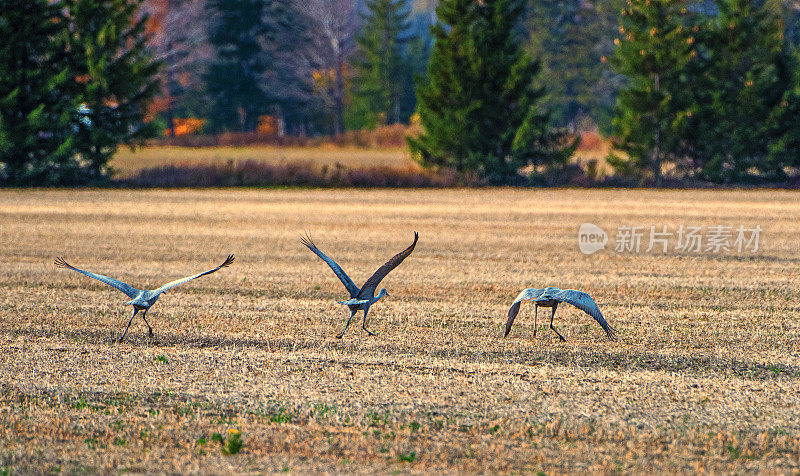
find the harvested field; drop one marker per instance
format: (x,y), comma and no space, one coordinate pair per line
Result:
(705,376)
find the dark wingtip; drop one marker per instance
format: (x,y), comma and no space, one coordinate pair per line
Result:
(512,314)
(307,241)
(231,257)
(59,261)
(416,238)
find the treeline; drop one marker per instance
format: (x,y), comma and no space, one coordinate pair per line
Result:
(323,66)
(689,90)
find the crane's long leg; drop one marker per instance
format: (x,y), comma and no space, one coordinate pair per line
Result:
(364,322)
(535,315)
(352,313)
(129,325)
(149,329)
(551,324)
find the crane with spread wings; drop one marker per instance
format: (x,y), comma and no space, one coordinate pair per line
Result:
(361,299)
(551,297)
(141,299)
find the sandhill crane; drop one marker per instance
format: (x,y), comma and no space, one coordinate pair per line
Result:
(141,300)
(551,297)
(361,299)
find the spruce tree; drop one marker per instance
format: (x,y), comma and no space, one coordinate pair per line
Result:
(574,38)
(382,70)
(36,109)
(739,92)
(478,105)
(785,123)
(117,79)
(234,81)
(653,50)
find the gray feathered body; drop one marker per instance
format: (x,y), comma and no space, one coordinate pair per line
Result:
(552,296)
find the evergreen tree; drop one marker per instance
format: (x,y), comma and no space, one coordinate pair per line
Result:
(36,109)
(574,38)
(478,105)
(653,51)
(382,70)
(785,123)
(234,81)
(117,79)
(737,95)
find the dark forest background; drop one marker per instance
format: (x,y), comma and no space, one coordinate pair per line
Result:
(503,89)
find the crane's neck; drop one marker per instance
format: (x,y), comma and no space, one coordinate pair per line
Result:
(380,295)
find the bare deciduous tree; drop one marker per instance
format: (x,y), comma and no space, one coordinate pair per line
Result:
(332,25)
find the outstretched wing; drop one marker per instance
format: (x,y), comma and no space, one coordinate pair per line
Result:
(525,295)
(368,289)
(177,282)
(585,303)
(130,291)
(343,277)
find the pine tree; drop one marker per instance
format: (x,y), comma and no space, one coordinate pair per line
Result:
(574,38)
(478,105)
(737,95)
(117,79)
(653,51)
(36,109)
(785,123)
(382,70)
(234,81)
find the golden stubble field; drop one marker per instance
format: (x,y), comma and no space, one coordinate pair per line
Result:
(704,377)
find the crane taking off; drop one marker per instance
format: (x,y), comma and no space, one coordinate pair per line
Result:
(361,299)
(141,300)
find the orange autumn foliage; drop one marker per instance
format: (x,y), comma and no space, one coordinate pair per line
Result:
(187,125)
(267,125)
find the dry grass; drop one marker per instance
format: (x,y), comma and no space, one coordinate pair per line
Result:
(704,378)
(127,162)
(154,158)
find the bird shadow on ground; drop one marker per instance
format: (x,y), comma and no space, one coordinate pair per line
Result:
(354,351)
